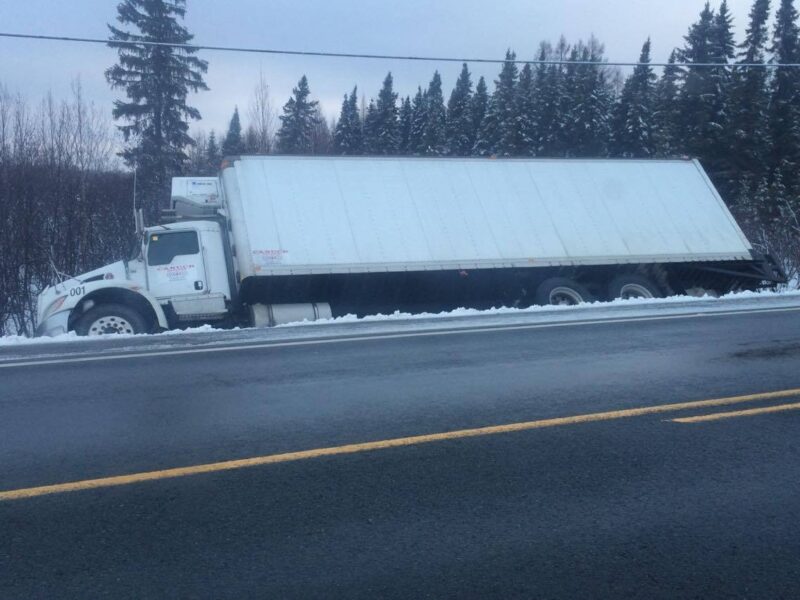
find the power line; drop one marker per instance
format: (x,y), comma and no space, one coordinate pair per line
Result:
(195,47)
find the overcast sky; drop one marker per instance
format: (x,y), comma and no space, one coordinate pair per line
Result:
(475,28)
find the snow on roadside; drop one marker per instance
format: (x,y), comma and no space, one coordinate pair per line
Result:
(19,340)
(465,312)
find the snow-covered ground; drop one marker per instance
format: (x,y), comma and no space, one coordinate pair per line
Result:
(543,310)
(463,317)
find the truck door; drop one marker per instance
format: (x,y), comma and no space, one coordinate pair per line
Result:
(175,264)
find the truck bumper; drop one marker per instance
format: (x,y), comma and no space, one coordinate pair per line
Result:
(53,325)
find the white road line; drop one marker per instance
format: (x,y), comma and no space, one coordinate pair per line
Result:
(378,337)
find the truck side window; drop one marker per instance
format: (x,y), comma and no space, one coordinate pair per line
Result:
(163,247)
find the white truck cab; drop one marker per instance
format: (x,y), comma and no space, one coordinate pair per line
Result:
(181,274)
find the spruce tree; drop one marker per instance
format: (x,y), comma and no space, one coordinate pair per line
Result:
(405,121)
(459,116)
(321,137)
(549,83)
(667,116)
(722,162)
(434,136)
(419,119)
(213,155)
(696,90)
(750,206)
(526,112)
(705,94)
(725,44)
(348,136)
(784,110)
(505,110)
(233,144)
(633,135)
(588,102)
(372,141)
(478,108)
(387,136)
(341,126)
(298,121)
(156,81)
(749,129)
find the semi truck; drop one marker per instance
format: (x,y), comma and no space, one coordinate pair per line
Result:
(278,239)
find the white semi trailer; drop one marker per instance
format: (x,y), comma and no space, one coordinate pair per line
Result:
(278,239)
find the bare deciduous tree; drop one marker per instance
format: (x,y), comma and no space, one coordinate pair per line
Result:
(260,134)
(64,204)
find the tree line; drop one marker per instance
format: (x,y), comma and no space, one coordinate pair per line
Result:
(742,122)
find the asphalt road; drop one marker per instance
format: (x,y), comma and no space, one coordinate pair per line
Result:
(623,504)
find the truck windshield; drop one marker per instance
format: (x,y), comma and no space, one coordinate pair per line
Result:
(163,247)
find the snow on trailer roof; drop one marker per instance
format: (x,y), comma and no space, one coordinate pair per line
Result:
(293,215)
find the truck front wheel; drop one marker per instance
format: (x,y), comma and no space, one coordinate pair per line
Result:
(110,319)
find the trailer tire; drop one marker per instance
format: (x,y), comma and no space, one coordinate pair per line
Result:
(632,286)
(111,319)
(562,291)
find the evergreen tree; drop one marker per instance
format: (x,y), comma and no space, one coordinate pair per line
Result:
(667,114)
(478,109)
(404,126)
(724,42)
(157,81)
(298,121)
(725,156)
(213,155)
(784,110)
(705,91)
(434,135)
(526,112)
(419,120)
(751,205)
(233,144)
(372,141)
(695,86)
(498,133)
(588,102)
(348,136)
(749,129)
(386,135)
(321,137)
(505,110)
(549,84)
(633,135)
(459,116)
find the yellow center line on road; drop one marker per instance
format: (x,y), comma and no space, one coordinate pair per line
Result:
(739,413)
(272,459)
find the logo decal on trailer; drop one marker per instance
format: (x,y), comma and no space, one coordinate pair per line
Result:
(263,259)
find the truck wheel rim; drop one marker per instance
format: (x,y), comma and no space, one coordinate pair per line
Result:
(634,290)
(110,325)
(564,296)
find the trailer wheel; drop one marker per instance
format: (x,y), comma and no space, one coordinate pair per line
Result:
(110,319)
(632,286)
(560,291)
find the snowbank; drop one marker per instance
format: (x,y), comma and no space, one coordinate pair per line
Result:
(21,340)
(710,304)
(465,312)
